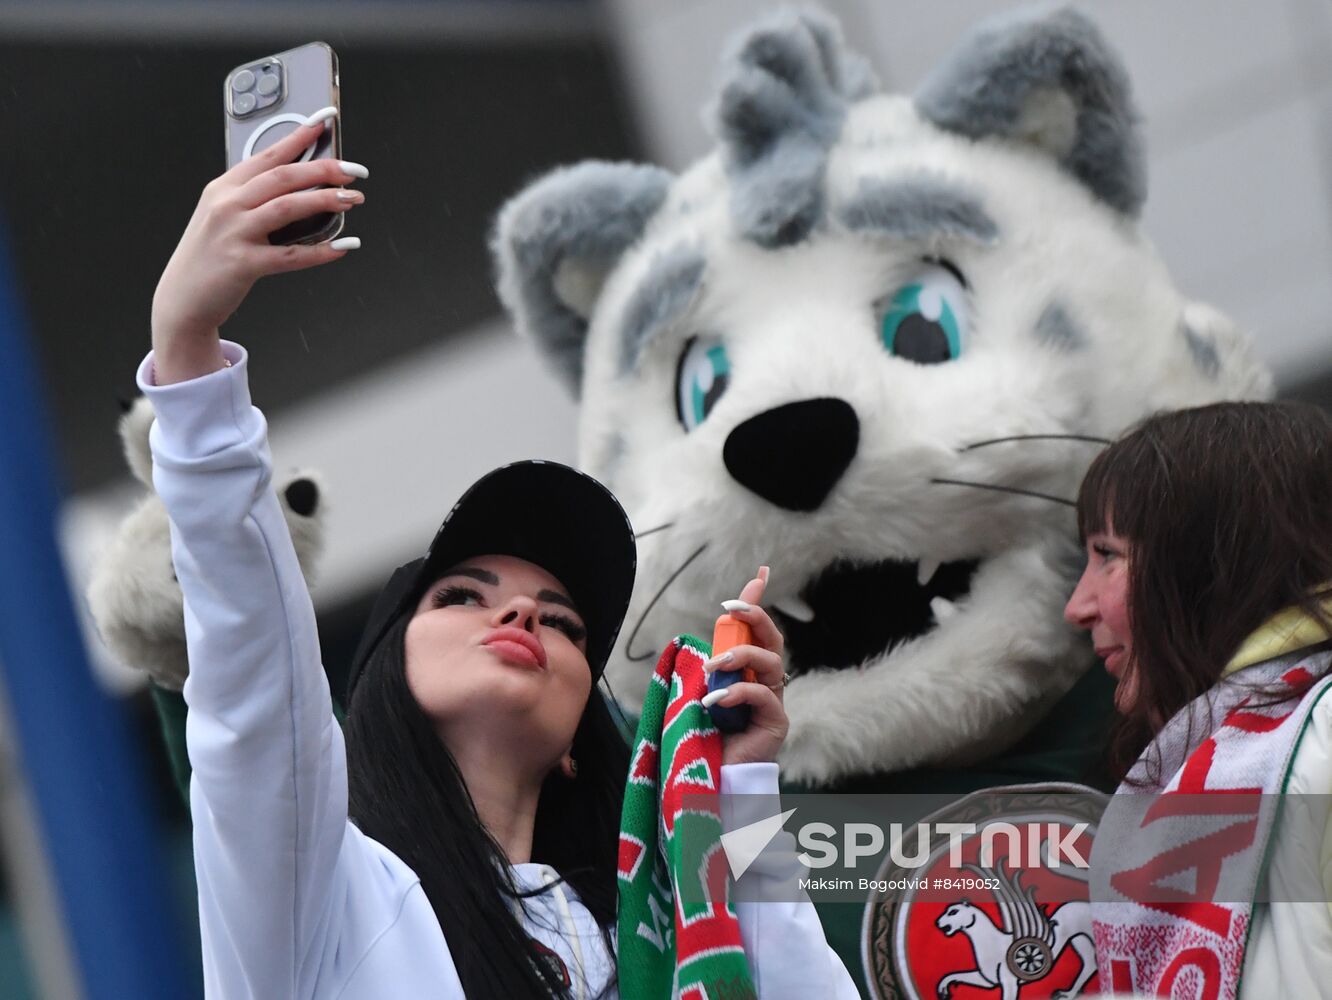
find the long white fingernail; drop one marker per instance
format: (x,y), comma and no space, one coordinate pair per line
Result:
(737,605)
(718,661)
(322,115)
(712,697)
(353,169)
(346,243)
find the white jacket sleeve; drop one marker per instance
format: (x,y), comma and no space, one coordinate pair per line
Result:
(784,941)
(269,790)
(1289,951)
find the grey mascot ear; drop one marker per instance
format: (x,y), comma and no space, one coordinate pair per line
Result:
(1051,80)
(555,243)
(786,85)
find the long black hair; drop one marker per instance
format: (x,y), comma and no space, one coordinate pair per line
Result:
(406,792)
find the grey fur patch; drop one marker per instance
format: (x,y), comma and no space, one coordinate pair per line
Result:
(609,471)
(1057,329)
(1202,350)
(1000,79)
(581,218)
(786,87)
(672,281)
(918,208)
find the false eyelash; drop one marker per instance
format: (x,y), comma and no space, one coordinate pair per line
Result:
(453,595)
(567,625)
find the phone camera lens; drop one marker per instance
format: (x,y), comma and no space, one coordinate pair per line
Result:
(242,81)
(268,84)
(243,104)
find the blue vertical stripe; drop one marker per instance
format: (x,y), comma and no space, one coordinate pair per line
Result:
(74,745)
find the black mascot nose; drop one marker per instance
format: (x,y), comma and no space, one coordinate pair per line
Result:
(303,496)
(794,454)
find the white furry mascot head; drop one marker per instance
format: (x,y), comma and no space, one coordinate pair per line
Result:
(133,594)
(872,340)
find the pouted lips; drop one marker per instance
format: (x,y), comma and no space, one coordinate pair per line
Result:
(516,645)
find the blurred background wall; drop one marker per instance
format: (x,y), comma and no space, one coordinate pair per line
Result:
(382,371)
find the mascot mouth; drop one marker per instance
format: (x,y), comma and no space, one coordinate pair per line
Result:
(854,612)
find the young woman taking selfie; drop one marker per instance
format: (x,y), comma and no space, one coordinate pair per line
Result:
(1208,593)
(463,841)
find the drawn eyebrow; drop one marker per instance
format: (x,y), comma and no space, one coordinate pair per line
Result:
(476,573)
(555,597)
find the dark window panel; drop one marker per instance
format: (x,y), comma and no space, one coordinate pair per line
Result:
(107,149)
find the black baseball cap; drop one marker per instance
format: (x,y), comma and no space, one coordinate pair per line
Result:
(552,516)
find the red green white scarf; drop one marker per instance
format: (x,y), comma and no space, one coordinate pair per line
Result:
(1155,869)
(678,933)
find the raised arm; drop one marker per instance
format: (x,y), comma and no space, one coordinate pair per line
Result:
(268,794)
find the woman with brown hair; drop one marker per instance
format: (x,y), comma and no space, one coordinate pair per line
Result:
(1208,593)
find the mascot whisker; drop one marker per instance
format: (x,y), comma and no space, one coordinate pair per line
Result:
(813,340)
(874,340)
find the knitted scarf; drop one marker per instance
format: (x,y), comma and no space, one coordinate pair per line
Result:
(678,934)
(1174,881)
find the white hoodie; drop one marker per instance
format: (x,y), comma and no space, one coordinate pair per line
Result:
(294,901)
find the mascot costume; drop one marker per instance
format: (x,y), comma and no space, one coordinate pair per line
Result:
(874,341)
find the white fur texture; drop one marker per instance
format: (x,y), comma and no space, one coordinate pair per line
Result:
(133,594)
(799,322)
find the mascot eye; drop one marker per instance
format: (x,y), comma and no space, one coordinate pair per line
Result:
(925,320)
(703,376)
